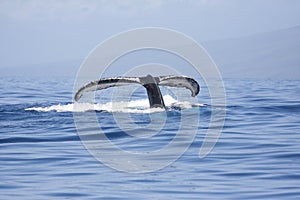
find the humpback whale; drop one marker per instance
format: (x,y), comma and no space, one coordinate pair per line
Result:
(149,82)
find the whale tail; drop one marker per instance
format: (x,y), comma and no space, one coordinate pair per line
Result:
(149,82)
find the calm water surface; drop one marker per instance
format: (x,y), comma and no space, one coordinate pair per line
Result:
(257,155)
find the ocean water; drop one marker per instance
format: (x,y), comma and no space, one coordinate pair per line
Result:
(257,156)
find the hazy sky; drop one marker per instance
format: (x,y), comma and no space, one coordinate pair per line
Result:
(37,32)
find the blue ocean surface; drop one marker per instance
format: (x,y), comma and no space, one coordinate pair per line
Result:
(257,156)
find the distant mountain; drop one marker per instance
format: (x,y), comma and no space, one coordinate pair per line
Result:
(57,68)
(266,55)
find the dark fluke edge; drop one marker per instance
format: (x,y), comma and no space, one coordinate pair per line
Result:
(149,82)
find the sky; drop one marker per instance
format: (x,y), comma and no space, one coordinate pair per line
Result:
(37,32)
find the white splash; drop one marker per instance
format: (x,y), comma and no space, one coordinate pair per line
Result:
(134,106)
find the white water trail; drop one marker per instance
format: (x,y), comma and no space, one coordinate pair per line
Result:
(134,106)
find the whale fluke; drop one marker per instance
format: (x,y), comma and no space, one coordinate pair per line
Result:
(180,81)
(149,82)
(105,83)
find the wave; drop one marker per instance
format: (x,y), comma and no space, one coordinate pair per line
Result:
(134,106)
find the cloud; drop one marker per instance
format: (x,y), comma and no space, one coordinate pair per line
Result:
(71,9)
(46,10)
(65,10)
